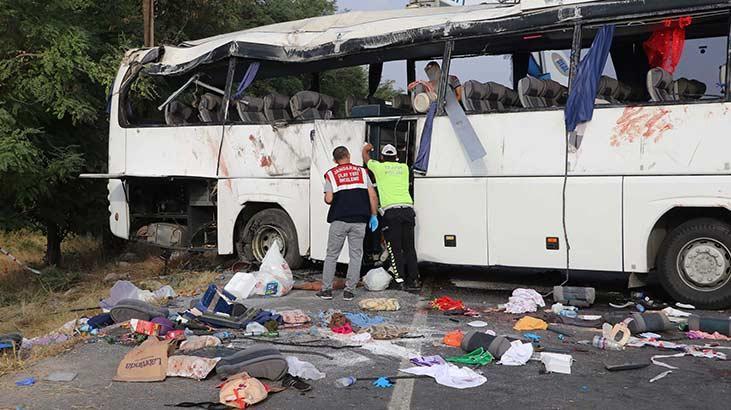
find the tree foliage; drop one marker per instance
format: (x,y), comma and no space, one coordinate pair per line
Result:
(58,59)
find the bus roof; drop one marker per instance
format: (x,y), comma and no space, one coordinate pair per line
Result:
(362,32)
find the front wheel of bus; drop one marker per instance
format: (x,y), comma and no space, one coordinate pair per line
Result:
(695,263)
(265,228)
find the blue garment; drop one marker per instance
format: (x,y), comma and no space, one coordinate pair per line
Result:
(535,70)
(422,158)
(584,88)
(362,320)
(249,77)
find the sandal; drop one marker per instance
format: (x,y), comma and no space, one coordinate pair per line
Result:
(296,383)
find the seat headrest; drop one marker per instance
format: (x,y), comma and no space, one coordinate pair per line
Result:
(689,89)
(251,109)
(555,91)
(401,102)
(531,87)
(659,85)
(312,105)
(607,89)
(276,107)
(177,113)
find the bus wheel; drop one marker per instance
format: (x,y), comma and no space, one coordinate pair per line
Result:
(695,263)
(265,228)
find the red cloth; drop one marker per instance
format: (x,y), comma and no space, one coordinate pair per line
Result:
(343,330)
(447,303)
(665,47)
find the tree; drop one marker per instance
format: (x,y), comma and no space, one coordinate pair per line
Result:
(58,58)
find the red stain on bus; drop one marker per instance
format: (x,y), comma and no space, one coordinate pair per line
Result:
(641,122)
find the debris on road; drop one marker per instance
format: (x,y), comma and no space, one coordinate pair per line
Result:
(524,301)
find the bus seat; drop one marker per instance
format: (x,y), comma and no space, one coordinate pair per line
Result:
(209,108)
(177,113)
(608,89)
(511,98)
(402,102)
(685,89)
(479,97)
(659,85)
(251,110)
(276,108)
(541,93)
(311,105)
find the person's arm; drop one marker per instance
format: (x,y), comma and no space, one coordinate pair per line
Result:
(373,198)
(367,148)
(328,192)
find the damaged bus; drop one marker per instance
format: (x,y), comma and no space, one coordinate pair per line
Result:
(222,143)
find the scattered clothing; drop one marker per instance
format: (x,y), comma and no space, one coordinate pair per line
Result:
(326,316)
(523,301)
(345,329)
(446,303)
(427,360)
(532,337)
(124,289)
(530,323)
(650,335)
(672,312)
(453,338)
(478,357)
(386,348)
(294,318)
(305,370)
(199,342)
(449,375)
(362,320)
(361,338)
(386,332)
(697,334)
(517,355)
(379,304)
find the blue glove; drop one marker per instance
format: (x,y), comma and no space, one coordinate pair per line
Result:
(383,382)
(373,224)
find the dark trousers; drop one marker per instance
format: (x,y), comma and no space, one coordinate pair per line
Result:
(398,230)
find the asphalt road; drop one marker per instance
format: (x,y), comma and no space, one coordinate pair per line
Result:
(697,383)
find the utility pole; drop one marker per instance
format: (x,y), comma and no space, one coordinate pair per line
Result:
(148,20)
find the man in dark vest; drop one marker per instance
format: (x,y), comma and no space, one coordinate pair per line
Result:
(353,204)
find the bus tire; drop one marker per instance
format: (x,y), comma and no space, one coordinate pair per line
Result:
(694,263)
(262,229)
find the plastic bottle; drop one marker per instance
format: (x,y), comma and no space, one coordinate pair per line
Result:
(568,313)
(606,344)
(345,382)
(223,335)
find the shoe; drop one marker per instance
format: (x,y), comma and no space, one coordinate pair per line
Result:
(348,295)
(413,286)
(325,294)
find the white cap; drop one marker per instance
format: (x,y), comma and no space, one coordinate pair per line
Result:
(389,150)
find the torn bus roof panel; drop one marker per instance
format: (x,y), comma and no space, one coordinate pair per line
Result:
(344,34)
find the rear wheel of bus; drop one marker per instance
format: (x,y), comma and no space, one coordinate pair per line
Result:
(695,263)
(262,230)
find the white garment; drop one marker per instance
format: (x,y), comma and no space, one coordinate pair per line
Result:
(305,370)
(518,354)
(449,375)
(524,301)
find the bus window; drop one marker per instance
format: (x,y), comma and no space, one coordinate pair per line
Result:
(192,98)
(649,66)
(513,72)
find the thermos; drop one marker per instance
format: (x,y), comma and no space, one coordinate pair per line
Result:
(709,325)
(496,345)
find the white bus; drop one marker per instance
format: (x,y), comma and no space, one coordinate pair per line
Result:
(222,143)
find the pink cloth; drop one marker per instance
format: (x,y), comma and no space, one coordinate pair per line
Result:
(344,329)
(697,334)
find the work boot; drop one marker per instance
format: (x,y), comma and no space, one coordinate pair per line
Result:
(348,295)
(325,294)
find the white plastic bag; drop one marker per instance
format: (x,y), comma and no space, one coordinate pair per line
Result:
(241,285)
(305,370)
(274,277)
(377,280)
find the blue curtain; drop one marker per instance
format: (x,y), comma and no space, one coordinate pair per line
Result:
(580,106)
(249,77)
(422,158)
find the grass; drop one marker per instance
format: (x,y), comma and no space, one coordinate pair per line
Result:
(36,305)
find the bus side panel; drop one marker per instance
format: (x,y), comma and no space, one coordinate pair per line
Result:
(173,151)
(118,209)
(329,135)
(521,214)
(668,139)
(290,194)
(594,222)
(647,199)
(451,207)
